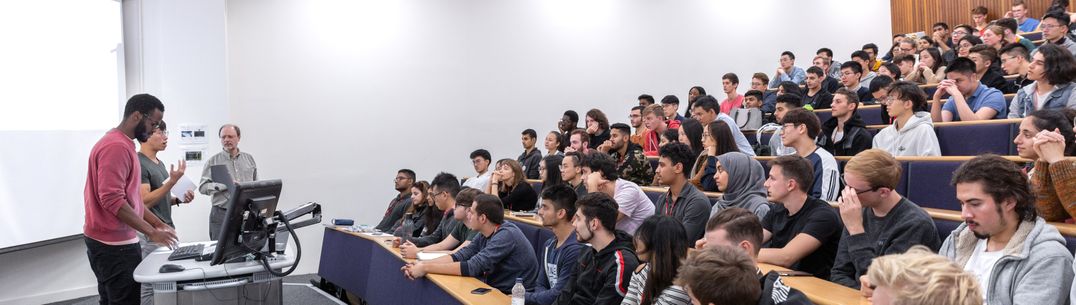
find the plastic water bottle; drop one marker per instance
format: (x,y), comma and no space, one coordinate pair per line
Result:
(408,228)
(518,291)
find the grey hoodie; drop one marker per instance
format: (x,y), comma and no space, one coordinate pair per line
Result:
(1034,269)
(915,138)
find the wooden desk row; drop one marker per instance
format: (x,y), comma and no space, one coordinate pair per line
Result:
(368,266)
(818,290)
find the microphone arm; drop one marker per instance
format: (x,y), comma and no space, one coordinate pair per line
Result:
(312,208)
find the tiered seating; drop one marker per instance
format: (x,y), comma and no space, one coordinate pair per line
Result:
(1032,35)
(927,180)
(970,138)
(870,114)
(958,138)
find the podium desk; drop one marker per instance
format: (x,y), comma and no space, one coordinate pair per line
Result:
(232,283)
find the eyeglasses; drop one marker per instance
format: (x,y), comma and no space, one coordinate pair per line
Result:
(401,178)
(888,100)
(155,125)
(1049,26)
(788,125)
(858,192)
(434,195)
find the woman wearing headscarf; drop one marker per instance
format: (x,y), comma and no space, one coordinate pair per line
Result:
(741,179)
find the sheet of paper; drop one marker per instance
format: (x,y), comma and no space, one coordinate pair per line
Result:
(377,234)
(181,187)
(425,256)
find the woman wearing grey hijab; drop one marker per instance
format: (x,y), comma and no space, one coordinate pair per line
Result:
(741,179)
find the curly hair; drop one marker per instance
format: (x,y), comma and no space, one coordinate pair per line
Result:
(1000,178)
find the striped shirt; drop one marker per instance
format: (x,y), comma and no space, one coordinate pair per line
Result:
(827,185)
(672,295)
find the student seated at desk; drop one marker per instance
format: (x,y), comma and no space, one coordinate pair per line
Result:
(1017,257)
(799,131)
(508,183)
(498,255)
(1052,179)
(921,277)
(800,232)
(571,171)
(661,245)
(877,220)
(634,205)
(682,201)
(423,213)
(604,268)
(720,275)
(741,229)
(560,255)
(404,179)
(969,99)
(531,155)
(912,132)
(740,179)
(451,233)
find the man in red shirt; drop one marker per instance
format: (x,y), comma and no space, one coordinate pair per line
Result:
(113,203)
(654,119)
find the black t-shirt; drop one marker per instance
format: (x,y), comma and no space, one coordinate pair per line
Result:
(993,79)
(816,219)
(599,138)
(820,100)
(521,198)
(830,85)
(864,94)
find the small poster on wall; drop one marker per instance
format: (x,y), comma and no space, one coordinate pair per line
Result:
(193,134)
(193,156)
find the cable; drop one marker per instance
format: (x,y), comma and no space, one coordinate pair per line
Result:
(298,250)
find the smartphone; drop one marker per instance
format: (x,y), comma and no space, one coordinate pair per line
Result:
(793,273)
(480,291)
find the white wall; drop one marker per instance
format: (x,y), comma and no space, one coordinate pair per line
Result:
(335,96)
(182,49)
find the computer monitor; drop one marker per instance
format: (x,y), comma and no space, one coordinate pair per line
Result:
(245,229)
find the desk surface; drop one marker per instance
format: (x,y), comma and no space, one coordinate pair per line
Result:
(148,270)
(818,290)
(459,287)
(530,220)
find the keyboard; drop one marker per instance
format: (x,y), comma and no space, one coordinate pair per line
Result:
(187,252)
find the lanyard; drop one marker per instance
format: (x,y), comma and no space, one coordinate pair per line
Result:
(670,205)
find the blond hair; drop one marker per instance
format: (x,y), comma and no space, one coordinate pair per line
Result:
(921,277)
(876,166)
(655,109)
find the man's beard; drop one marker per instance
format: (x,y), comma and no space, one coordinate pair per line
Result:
(141,133)
(584,238)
